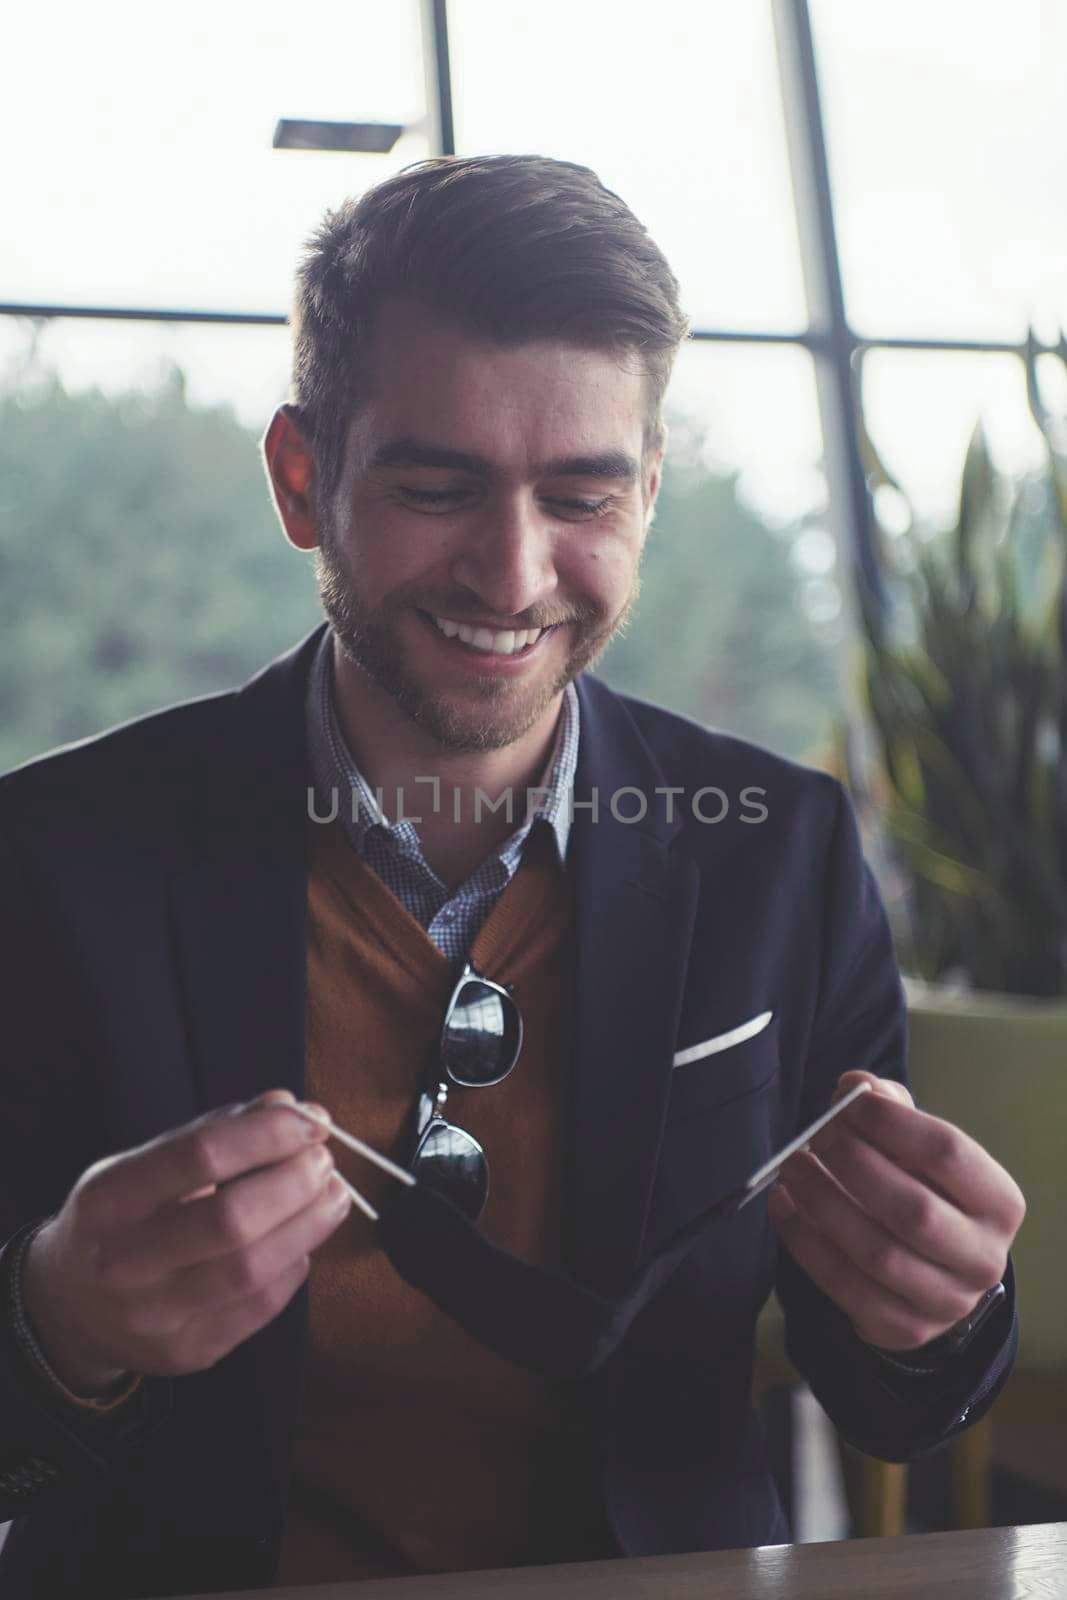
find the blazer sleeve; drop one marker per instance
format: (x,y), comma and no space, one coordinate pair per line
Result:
(861,1023)
(47,1447)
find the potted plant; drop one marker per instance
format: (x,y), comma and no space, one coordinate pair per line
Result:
(963,667)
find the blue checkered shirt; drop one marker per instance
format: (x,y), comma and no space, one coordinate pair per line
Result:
(393,850)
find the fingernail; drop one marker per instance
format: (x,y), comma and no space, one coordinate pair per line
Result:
(322,1159)
(272,1097)
(311,1108)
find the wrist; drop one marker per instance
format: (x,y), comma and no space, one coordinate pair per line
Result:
(935,1355)
(45,1332)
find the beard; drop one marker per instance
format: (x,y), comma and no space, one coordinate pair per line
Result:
(492,712)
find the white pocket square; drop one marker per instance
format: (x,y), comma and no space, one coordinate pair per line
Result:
(722,1041)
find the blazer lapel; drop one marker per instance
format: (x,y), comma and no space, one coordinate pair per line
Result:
(635,906)
(239,896)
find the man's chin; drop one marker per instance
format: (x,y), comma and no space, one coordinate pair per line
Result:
(481,711)
(487,716)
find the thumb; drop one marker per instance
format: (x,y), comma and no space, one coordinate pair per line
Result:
(889,1088)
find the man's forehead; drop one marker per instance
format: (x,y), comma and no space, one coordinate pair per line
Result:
(413,352)
(408,450)
(442,396)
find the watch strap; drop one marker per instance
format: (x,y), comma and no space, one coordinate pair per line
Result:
(931,1357)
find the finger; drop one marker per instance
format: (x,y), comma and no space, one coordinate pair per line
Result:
(878,1315)
(286,1097)
(357,1145)
(906,1208)
(270,1097)
(209,1151)
(209,1335)
(888,1088)
(274,1097)
(941,1154)
(243,1211)
(872,1248)
(229,1279)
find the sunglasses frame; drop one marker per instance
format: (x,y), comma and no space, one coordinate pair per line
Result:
(430,1109)
(470,974)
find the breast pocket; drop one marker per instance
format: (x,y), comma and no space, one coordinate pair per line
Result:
(723,1115)
(715,1080)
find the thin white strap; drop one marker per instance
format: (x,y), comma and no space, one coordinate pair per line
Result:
(363,1203)
(360,1149)
(358,1146)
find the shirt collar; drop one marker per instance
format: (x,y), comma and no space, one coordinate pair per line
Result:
(335,768)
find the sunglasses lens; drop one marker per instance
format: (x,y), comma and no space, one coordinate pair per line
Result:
(452,1163)
(482,1037)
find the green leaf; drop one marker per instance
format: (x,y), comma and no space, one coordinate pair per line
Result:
(970,719)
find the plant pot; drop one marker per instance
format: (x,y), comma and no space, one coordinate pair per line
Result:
(996,1066)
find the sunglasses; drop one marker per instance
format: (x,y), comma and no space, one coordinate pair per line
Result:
(537,1317)
(481,1038)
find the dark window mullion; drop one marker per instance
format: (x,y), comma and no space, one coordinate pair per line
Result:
(836,362)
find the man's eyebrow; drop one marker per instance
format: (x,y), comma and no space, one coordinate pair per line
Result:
(612,464)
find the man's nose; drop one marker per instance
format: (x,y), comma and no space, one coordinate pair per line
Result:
(507,560)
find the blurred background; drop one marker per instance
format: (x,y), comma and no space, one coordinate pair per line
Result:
(857,558)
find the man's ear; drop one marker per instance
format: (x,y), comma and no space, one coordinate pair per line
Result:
(655,480)
(291,470)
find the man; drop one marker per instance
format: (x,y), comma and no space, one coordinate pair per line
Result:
(212,1375)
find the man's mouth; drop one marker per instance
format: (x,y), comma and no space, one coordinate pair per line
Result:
(487,641)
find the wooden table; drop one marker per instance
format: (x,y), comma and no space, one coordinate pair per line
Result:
(1028,1563)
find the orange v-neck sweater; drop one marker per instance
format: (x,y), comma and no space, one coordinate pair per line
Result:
(418,1450)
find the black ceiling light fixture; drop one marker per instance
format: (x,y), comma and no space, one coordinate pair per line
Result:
(379,138)
(372,138)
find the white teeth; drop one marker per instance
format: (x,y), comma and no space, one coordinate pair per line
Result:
(504,643)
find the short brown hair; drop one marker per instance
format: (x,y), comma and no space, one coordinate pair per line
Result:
(512,247)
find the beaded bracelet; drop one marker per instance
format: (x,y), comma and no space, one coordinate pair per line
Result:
(120,1392)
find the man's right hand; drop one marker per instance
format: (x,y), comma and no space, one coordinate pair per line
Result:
(165,1258)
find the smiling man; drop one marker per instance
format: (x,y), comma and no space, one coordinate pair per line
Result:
(574,965)
(479,550)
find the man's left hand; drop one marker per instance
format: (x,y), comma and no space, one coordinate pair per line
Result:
(901,1218)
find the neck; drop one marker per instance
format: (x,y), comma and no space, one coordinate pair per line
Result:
(450,807)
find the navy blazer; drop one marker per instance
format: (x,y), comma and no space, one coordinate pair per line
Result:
(153,921)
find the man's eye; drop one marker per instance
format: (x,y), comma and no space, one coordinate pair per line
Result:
(437,497)
(591,507)
(433,497)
